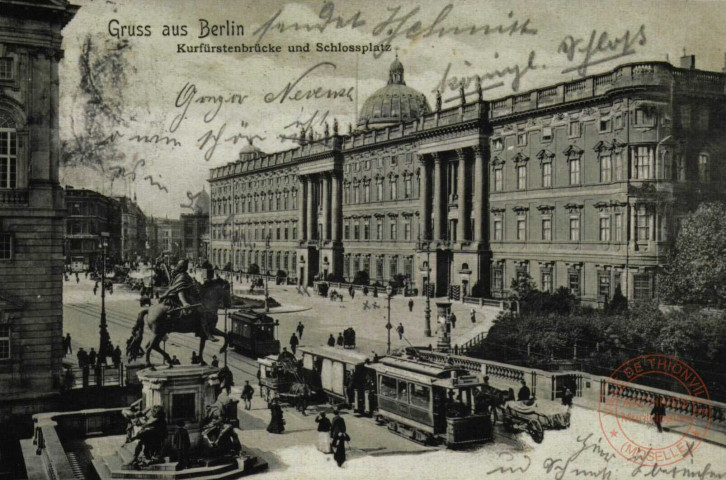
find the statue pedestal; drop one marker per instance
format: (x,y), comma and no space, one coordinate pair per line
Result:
(184,391)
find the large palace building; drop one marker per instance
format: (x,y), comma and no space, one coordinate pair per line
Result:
(580,184)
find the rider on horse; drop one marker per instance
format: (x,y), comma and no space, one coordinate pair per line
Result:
(181,291)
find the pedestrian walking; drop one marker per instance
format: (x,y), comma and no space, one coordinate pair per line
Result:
(277,421)
(92,355)
(339,447)
(567,398)
(77,278)
(82,357)
(337,424)
(331,340)
(247,394)
(399,329)
(215,361)
(473,315)
(452,319)
(410,305)
(226,379)
(658,413)
(323,443)
(375,292)
(300,329)
(67,344)
(116,357)
(351,291)
(341,340)
(524,392)
(293,343)
(365,291)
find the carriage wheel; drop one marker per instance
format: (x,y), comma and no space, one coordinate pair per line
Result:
(534,428)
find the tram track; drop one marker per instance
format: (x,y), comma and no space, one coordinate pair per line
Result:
(120,319)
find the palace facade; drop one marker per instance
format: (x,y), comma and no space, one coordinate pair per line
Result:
(579,184)
(32,207)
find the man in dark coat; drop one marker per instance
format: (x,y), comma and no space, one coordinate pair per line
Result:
(399,330)
(339,447)
(293,343)
(300,329)
(92,357)
(116,357)
(524,392)
(82,357)
(67,344)
(658,413)
(341,340)
(247,394)
(337,425)
(331,340)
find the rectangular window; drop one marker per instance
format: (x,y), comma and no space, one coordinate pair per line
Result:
(379,229)
(6,68)
(575,229)
(402,391)
(8,159)
(685,116)
(498,279)
(356,231)
(618,166)
(643,118)
(379,268)
(4,342)
(642,223)
(408,187)
(522,139)
(393,267)
(642,287)
(497,229)
(681,168)
(605,125)
(498,180)
(606,168)
(546,134)
(703,118)
(367,193)
(547,280)
(573,129)
(547,229)
(643,157)
(379,190)
(618,122)
(521,229)
(604,229)
(547,175)
(407,230)
(497,144)
(420,395)
(388,387)
(703,170)
(618,227)
(575,171)
(574,282)
(346,230)
(366,230)
(394,188)
(522,177)
(394,230)
(294,233)
(603,286)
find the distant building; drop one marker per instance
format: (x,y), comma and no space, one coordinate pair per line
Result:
(152,234)
(90,214)
(169,238)
(133,231)
(32,207)
(580,185)
(195,229)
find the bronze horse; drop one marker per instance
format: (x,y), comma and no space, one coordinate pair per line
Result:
(161,321)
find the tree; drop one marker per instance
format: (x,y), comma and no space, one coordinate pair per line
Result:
(361,278)
(697,266)
(254,269)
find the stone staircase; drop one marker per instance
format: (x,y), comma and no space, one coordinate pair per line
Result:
(116,466)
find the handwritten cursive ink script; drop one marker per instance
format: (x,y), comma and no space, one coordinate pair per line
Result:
(591,52)
(188,95)
(561,466)
(508,457)
(317,92)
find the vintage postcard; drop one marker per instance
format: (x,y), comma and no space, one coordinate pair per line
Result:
(362,239)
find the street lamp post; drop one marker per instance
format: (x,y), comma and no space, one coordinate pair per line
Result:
(389,294)
(427,310)
(104,337)
(267,258)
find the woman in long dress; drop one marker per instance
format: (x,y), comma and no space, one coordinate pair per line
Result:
(339,447)
(277,423)
(323,443)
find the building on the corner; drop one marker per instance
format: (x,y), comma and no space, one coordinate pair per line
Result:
(580,185)
(89,214)
(169,238)
(133,231)
(195,229)
(32,207)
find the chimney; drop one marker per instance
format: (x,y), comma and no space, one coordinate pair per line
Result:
(688,61)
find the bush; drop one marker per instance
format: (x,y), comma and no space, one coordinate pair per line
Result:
(228,267)
(398,281)
(334,278)
(254,269)
(618,304)
(281,274)
(361,278)
(323,288)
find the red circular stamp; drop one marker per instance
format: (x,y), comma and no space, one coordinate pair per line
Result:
(646,425)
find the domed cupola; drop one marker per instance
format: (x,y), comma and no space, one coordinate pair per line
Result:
(395,103)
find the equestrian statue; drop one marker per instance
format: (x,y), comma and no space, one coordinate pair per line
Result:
(186,307)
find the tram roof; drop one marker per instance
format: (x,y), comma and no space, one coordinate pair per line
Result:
(249,316)
(423,371)
(348,356)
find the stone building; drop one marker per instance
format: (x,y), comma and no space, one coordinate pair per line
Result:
(195,228)
(579,184)
(169,237)
(32,207)
(133,231)
(89,214)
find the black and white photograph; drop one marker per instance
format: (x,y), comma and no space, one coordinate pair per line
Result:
(314,239)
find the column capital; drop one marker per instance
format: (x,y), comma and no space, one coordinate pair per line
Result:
(437,157)
(461,153)
(478,150)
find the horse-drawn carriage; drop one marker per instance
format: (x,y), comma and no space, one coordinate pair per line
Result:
(277,375)
(534,417)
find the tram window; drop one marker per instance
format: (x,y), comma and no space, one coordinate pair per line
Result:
(403,391)
(388,387)
(419,395)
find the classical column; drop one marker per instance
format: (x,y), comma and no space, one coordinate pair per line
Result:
(336,199)
(462,227)
(478,200)
(324,235)
(301,199)
(437,204)
(311,209)
(424,194)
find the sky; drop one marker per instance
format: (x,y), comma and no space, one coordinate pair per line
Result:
(170,93)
